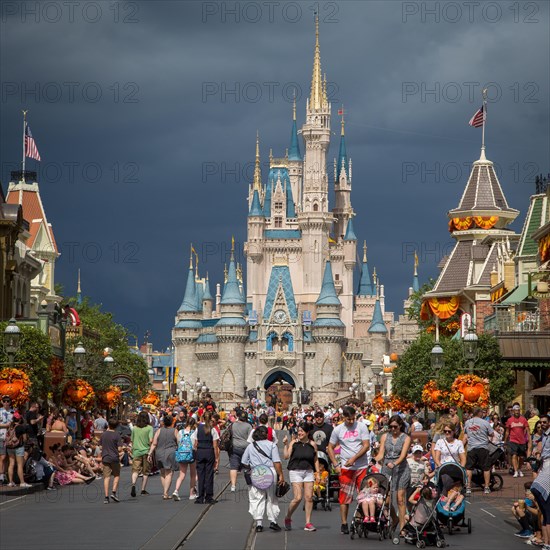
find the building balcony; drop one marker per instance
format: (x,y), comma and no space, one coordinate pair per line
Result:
(506,321)
(283,358)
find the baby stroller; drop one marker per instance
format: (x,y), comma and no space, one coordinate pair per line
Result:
(382,524)
(451,518)
(333,488)
(496,455)
(324,499)
(425,531)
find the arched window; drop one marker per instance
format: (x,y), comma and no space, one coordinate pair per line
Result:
(272,341)
(288,340)
(315,207)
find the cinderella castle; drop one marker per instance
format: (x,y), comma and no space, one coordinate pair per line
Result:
(300,329)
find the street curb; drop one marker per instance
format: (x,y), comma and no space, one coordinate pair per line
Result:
(20,491)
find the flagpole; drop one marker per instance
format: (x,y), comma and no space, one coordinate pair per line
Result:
(484,94)
(24,127)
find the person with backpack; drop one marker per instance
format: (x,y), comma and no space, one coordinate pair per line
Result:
(164,446)
(240,430)
(15,445)
(185,457)
(205,443)
(263,420)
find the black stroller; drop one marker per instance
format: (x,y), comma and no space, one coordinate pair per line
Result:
(324,499)
(496,482)
(382,524)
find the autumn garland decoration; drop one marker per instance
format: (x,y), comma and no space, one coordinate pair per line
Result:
(469,391)
(433,397)
(110,398)
(78,393)
(399,404)
(16,384)
(378,403)
(152,398)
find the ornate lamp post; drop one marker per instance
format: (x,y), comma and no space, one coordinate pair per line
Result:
(470,348)
(12,340)
(437,358)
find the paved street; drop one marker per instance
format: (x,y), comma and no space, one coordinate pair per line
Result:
(75,517)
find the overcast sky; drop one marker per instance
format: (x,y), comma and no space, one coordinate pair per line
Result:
(145,115)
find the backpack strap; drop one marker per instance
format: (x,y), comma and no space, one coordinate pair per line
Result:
(257,447)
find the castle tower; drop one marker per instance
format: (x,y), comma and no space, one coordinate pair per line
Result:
(207,300)
(342,187)
(346,296)
(378,333)
(232,333)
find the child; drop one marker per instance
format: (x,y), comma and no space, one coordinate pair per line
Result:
(454,497)
(369,497)
(421,512)
(323,480)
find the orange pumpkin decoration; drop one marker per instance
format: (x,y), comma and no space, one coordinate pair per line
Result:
(16,384)
(435,398)
(470,391)
(151,398)
(394,357)
(389,369)
(78,393)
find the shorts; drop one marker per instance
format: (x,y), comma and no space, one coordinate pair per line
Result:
(301,476)
(111,469)
(19,451)
(350,480)
(519,449)
(235,459)
(478,458)
(141,465)
(3,447)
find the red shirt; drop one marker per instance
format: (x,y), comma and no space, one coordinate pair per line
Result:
(516,427)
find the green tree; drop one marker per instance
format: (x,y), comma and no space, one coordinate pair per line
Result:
(414,368)
(34,358)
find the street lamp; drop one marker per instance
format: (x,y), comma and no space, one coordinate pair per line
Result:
(79,355)
(437,359)
(470,348)
(12,340)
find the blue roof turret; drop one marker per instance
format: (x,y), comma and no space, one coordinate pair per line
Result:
(294,150)
(366,288)
(377,324)
(189,303)
(255,207)
(342,155)
(328,296)
(350,233)
(231,291)
(207,295)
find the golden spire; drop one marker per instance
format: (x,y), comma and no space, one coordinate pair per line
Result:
(191,257)
(374,276)
(325,100)
(316,95)
(364,252)
(343,122)
(257,170)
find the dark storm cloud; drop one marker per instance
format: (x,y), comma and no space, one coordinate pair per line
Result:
(128,183)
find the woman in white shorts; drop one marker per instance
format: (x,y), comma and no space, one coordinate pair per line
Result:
(303,469)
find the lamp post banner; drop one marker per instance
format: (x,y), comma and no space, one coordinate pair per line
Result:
(465,324)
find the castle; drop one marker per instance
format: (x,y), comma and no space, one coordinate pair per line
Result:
(299,322)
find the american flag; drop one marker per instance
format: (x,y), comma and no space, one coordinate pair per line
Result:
(31,150)
(479,118)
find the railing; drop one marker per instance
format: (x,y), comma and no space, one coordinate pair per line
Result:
(512,321)
(19,175)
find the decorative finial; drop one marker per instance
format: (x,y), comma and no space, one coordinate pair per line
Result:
(415,263)
(294,106)
(232,244)
(316,95)
(224,273)
(257,167)
(364,252)
(78,283)
(191,257)
(342,122)
(374,276)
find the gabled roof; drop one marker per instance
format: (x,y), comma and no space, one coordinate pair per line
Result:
(280,279)
(328,296)
(377,324)
(276,174)
(28,196)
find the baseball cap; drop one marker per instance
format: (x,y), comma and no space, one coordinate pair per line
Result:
(319,414)
(417,448)
(516,408)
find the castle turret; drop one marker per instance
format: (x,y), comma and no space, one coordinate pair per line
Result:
(295,164)
(207,300)
(342,187)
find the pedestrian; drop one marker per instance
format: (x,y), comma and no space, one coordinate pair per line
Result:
(354,440)
(517,435)
(100,424)
(394,448)
(111,445)
(240,430)
(16,436)
(263,452)
(185,457)
(142,436)
(541,485)
(303,468)
(478,433)
(164,446)
(205,443)
(321,431)
(6,415)
(448,449)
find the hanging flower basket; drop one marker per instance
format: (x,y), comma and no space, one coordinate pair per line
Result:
(152,398)
(469,391)
(16,384)
(110,398)
(78,393)
(435,398)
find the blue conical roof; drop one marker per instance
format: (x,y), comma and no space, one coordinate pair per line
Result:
(350,233)
(416,284)
(255,207)
(294,150)
(366,288)
(290,210)
(342,159)
(377,324)
(189,303)
(328,296)
(231,291)
(207,295)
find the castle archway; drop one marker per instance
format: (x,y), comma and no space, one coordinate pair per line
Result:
(279,384)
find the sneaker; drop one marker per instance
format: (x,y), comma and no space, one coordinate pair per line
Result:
(144,492)
(468,492)
(11,484)
(366,519)
(24,485)
(309,527)
(520,473)
(106,500)
(193,496)
(259,528)
(344,529)
(233,488)
(274,526)
(487,491)
(288,524)
(51,489)
(516,474)
(133,491)
(524,534)
(114,497)
(175,496)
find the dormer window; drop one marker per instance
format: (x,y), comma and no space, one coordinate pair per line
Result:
(278,206)
(278,221)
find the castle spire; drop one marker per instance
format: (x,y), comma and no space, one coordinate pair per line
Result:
(189,303)
(78,291)
(328,295)
(416,284)
(366,288)
(231,290)
(317,94)
(294,150)
(377,324)
(342,164)
(257,186)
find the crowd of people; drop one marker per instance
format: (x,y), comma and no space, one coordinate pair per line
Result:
(318,443)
